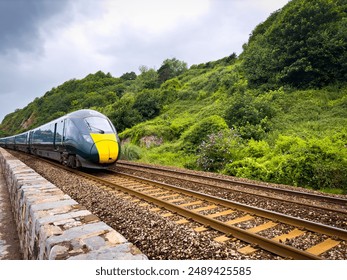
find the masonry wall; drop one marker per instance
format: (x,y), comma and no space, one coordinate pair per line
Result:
(53,226)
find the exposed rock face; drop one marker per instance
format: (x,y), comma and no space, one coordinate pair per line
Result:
(150,141)
(27,123)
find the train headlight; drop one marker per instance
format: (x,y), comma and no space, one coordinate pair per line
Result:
(88,138)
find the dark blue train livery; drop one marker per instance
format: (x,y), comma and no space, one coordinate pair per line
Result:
(84,138)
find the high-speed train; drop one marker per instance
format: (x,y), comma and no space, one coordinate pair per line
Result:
(84,138)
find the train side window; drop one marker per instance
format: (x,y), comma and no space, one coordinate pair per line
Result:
(59,130)
(71,132)
(30,137)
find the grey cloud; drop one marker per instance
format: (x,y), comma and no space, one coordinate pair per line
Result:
(20,20)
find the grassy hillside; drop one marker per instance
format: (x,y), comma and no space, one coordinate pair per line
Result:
(277,113)
(296,137)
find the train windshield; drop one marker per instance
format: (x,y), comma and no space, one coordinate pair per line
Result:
(99,125)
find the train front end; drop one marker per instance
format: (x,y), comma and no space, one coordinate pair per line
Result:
(105,149)
(100,147)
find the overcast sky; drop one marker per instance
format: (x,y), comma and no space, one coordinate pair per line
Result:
(44,43)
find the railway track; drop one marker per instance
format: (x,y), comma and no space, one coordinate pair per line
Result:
(316,209)
(227,217)
(282,235)
(336,204)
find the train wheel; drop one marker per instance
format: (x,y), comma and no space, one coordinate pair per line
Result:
(71,161)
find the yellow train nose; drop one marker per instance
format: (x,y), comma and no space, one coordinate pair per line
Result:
(107,147)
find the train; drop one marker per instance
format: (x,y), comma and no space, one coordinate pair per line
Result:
(81,139)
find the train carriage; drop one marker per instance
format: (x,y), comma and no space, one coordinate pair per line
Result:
(21,142)
(84,138)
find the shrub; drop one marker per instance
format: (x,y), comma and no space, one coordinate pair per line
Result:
(218,150)
(250,115)
(247,168)
(130,152)
(317,163)
(197,133)
(257,149)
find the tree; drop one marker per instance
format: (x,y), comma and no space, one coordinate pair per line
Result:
(302,45)
(147,103)
(123,115)
(128,76)
(171,68)
(148,79)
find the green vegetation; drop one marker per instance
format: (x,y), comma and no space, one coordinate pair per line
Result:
(276,113)
(303,45)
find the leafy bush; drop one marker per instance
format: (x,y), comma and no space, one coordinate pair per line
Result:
(218,150)
(257,149)
(181,123)
(247,168)
(147,103)
(249,115)
(199,132)
(169,90)
(130,152)
(318,163)
(315,163)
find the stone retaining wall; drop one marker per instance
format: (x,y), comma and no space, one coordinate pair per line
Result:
(53,226)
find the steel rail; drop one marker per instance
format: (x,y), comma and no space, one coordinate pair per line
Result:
(336,200)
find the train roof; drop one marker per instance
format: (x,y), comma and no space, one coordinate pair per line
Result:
(84,113)
(80,114)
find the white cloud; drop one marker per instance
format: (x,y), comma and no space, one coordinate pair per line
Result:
(154,16)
